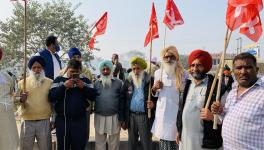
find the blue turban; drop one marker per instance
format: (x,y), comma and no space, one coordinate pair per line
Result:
(74,51)
(38,59)
(107,63)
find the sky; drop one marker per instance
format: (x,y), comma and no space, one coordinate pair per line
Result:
(204,25)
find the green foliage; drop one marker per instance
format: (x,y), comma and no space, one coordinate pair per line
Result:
(51,18)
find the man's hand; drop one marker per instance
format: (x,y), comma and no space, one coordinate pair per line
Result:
(79,83)
(206,115)
(150,104)
(157,85)
(178,138)
(69,83)
(23,97)
(217,108)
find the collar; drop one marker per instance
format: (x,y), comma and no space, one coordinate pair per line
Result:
(260,82)
(205,80)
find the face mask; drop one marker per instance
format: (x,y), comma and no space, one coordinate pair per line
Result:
(57,47)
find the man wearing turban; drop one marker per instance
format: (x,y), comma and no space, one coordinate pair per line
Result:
(194,122)
(35,108)
(109,108)
(8,135)
(75,53)
(167,87)
(135,91)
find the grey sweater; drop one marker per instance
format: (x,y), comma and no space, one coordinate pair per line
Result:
(109,101)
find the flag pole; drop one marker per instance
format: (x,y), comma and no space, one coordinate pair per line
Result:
(227,39)
(164,45)
(87,34)
(25,46)
(150,55)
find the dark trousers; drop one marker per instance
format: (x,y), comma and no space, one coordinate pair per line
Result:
(76,133)
(138,127)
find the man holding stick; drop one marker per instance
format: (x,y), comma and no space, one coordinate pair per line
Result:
(194,122)
(243,113)
(135,90)
(167,85)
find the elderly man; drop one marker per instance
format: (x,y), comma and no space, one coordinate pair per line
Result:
(35,107)
(194,122)
(8,135)
(168,83)
(108,108)
(243,113)
(70,93)
(135,90)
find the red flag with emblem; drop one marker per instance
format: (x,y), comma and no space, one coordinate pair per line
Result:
(100,29)
(172,15)
(153,32)
(244,14)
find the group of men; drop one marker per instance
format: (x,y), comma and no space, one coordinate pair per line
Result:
(175,98)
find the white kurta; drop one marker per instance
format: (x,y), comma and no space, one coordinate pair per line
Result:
(192,130)
(164,126)
(8,129)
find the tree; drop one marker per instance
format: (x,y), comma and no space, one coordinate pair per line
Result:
(51,18)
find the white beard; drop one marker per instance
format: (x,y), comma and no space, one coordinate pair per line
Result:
(37,79)
(137,79)
(169,68)
(106,81)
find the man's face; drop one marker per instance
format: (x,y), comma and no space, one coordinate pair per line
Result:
(72,71)
(136,69)
(245,72)
(169,58)
(36,68)
(114,58)
(77,58)
(53,46)
(197,70)
(105,71)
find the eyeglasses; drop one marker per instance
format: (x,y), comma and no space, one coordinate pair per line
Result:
(169,57)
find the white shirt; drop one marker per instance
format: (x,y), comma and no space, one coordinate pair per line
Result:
(6,87)
(164,126)
(56,65)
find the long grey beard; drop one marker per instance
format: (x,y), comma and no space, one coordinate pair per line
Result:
(137,79)
(37,79)
(169,68)
(106,81)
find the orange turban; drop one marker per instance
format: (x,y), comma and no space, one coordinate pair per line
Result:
(204,57)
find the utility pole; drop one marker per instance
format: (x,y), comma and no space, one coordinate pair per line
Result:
(239,45)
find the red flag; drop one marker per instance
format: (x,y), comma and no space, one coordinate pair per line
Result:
(153,32)
(244,14)
(101,27)
(172,15)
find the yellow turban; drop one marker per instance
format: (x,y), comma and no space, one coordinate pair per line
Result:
(140,61)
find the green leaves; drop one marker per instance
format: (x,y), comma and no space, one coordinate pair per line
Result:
(55,17)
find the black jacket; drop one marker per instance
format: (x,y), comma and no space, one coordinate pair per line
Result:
(75,98)
(128,90)
(212,139)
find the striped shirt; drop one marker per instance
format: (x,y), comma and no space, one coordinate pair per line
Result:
(243,124)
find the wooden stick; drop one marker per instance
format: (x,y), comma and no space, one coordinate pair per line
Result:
(25,47)
(150,55)
(164,45)
(227,40)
